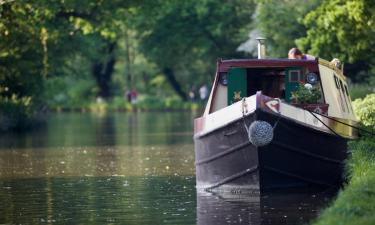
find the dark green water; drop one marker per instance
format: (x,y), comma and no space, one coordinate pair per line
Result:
(123,168)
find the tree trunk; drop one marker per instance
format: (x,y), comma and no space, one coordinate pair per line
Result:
(128,73)
(169,74)
(103,70)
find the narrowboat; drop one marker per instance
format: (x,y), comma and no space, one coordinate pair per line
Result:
(254,136)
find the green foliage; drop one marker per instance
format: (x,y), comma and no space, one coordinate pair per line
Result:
(356,203)
(22,63)
(150,102)
(365,110)
(119,103)
(69,92)
(64,54)
(168,103)
(360,90)
(343,29)
(186,38)
(281,23)
(306,95)
(175,103)
(98,107)
(358,167)
(21,56)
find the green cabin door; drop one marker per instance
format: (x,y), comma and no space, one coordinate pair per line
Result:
(293,77)
(237,85)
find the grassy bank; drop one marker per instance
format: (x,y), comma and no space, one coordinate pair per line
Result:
(355,204)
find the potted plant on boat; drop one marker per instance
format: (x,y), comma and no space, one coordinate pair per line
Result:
(307,97)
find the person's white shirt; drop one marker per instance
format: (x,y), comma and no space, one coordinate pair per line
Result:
(203,92)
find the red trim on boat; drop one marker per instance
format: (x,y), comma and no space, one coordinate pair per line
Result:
(224,65)
(198,125)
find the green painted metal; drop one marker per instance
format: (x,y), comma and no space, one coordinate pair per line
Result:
(293,76)
(237,84)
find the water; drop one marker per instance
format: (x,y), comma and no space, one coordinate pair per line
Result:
(124,168)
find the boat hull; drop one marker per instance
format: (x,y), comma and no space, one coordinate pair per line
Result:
(298,156)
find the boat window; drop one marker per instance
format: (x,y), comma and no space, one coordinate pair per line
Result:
(336,81)
(342,87)
(294,76)
(269,81)
(342,94)
(223,79)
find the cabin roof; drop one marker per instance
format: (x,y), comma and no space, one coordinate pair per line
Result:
(224,65)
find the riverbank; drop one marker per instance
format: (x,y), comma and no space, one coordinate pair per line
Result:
(355,203)
(119,104)
(20,115)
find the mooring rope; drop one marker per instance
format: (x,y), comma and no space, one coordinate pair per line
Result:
(330,118)
(244,110)
(329,128)
(314,114)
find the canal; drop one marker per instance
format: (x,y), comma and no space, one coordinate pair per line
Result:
(125,168)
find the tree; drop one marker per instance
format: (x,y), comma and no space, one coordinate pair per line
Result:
(94,30)
(21,58)
(23,63)
(184,39)
(343,29)
(281,23)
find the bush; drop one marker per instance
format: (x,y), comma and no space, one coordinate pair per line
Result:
(150,103)
(120,103)
(67,92)
(159,103)
(175,103)
(365,110)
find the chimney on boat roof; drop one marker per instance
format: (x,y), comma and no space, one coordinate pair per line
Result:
(261,47)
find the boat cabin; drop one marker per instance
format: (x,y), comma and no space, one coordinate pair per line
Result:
(279,78)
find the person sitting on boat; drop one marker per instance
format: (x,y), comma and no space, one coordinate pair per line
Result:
(295,53)
(337,63)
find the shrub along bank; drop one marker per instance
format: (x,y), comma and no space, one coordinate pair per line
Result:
(355,204)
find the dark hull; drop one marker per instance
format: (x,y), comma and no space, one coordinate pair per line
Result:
(298,156)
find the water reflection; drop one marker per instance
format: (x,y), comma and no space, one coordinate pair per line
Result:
(123,169)
(76,129)
(124,161)
(275,208)
(105,200)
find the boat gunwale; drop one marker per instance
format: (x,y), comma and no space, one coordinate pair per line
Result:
(225,64)
(197,136)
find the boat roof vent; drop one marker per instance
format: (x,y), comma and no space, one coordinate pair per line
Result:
(261,47)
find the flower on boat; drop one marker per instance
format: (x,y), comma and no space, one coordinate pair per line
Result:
(306,94)
(308,86)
